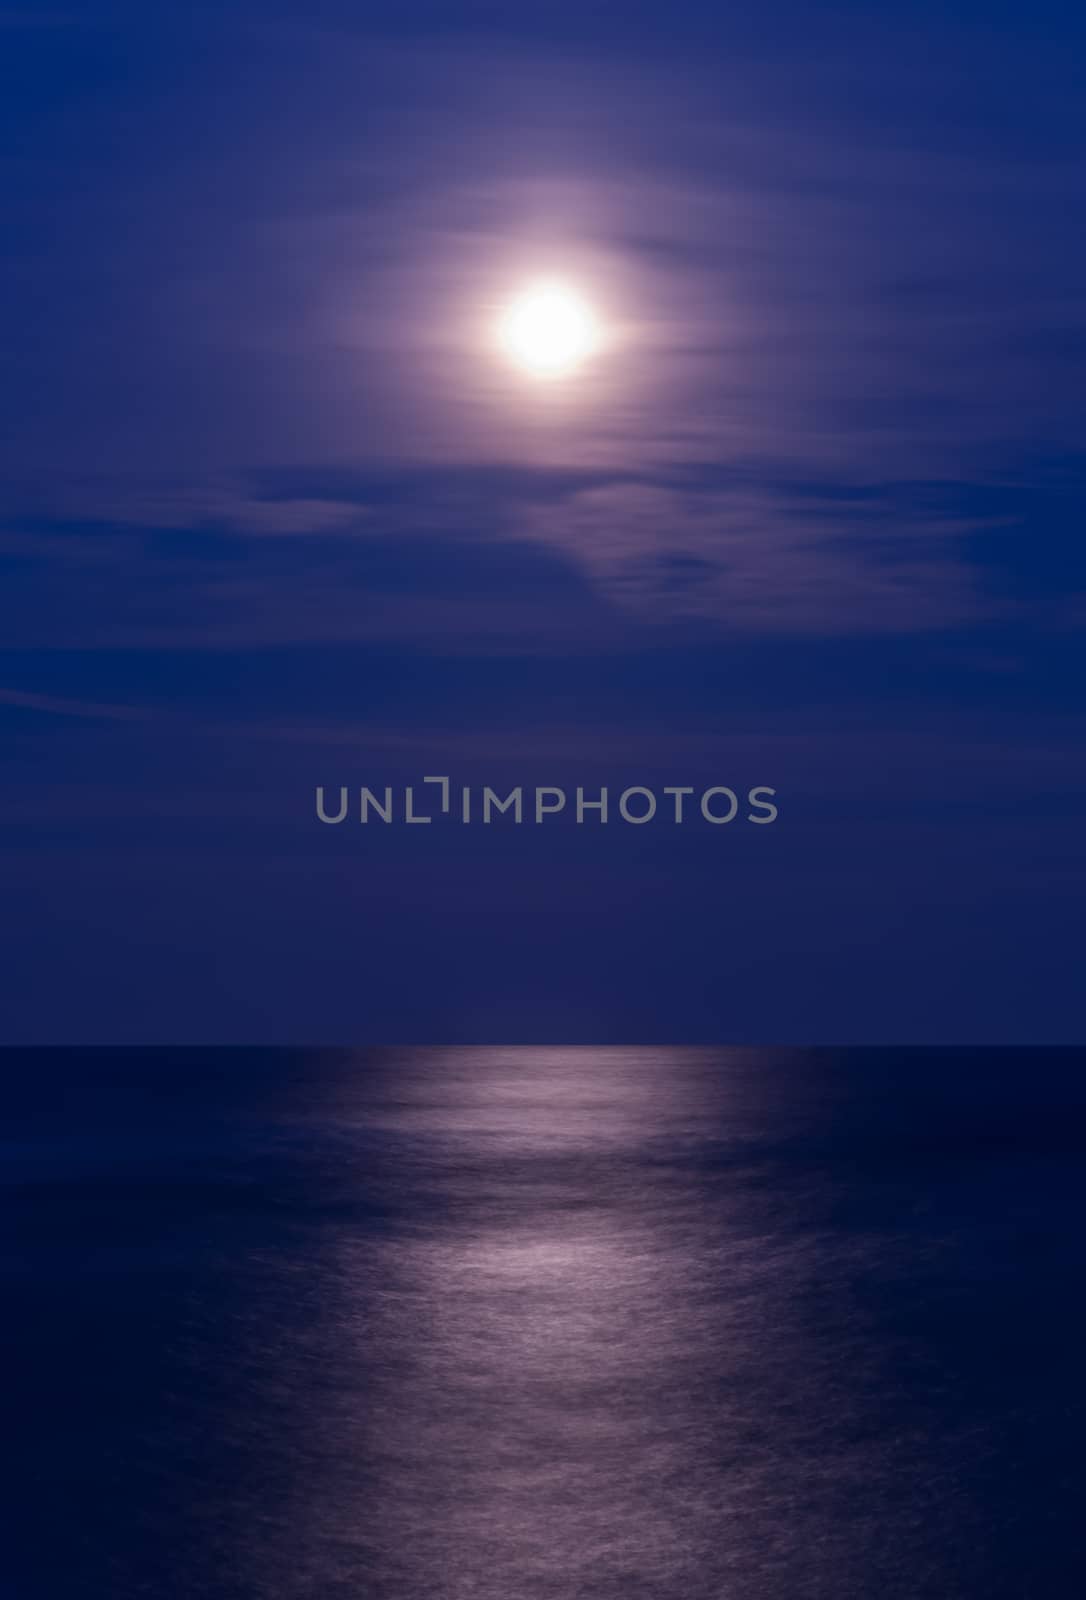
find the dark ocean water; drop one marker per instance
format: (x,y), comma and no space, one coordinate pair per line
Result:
(541,1324)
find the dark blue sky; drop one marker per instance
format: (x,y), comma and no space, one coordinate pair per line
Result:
(273,516)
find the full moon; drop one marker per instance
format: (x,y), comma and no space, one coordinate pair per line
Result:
(549,330)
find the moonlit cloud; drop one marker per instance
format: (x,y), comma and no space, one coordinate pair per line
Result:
(791,300)
(271,514)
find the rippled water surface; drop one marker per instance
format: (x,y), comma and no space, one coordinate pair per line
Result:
(537,1324)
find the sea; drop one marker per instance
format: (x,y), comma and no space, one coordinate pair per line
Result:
(543,1324)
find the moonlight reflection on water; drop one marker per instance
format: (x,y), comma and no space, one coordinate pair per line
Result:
(548,1323)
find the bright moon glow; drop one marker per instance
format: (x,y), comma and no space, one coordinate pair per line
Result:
(549,330)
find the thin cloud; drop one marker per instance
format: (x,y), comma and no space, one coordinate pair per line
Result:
(55,705)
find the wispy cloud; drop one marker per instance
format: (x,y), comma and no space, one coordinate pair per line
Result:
(488,557)
(800,291)
(58,706)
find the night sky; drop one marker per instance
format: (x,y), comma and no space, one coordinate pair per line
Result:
(274,516)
